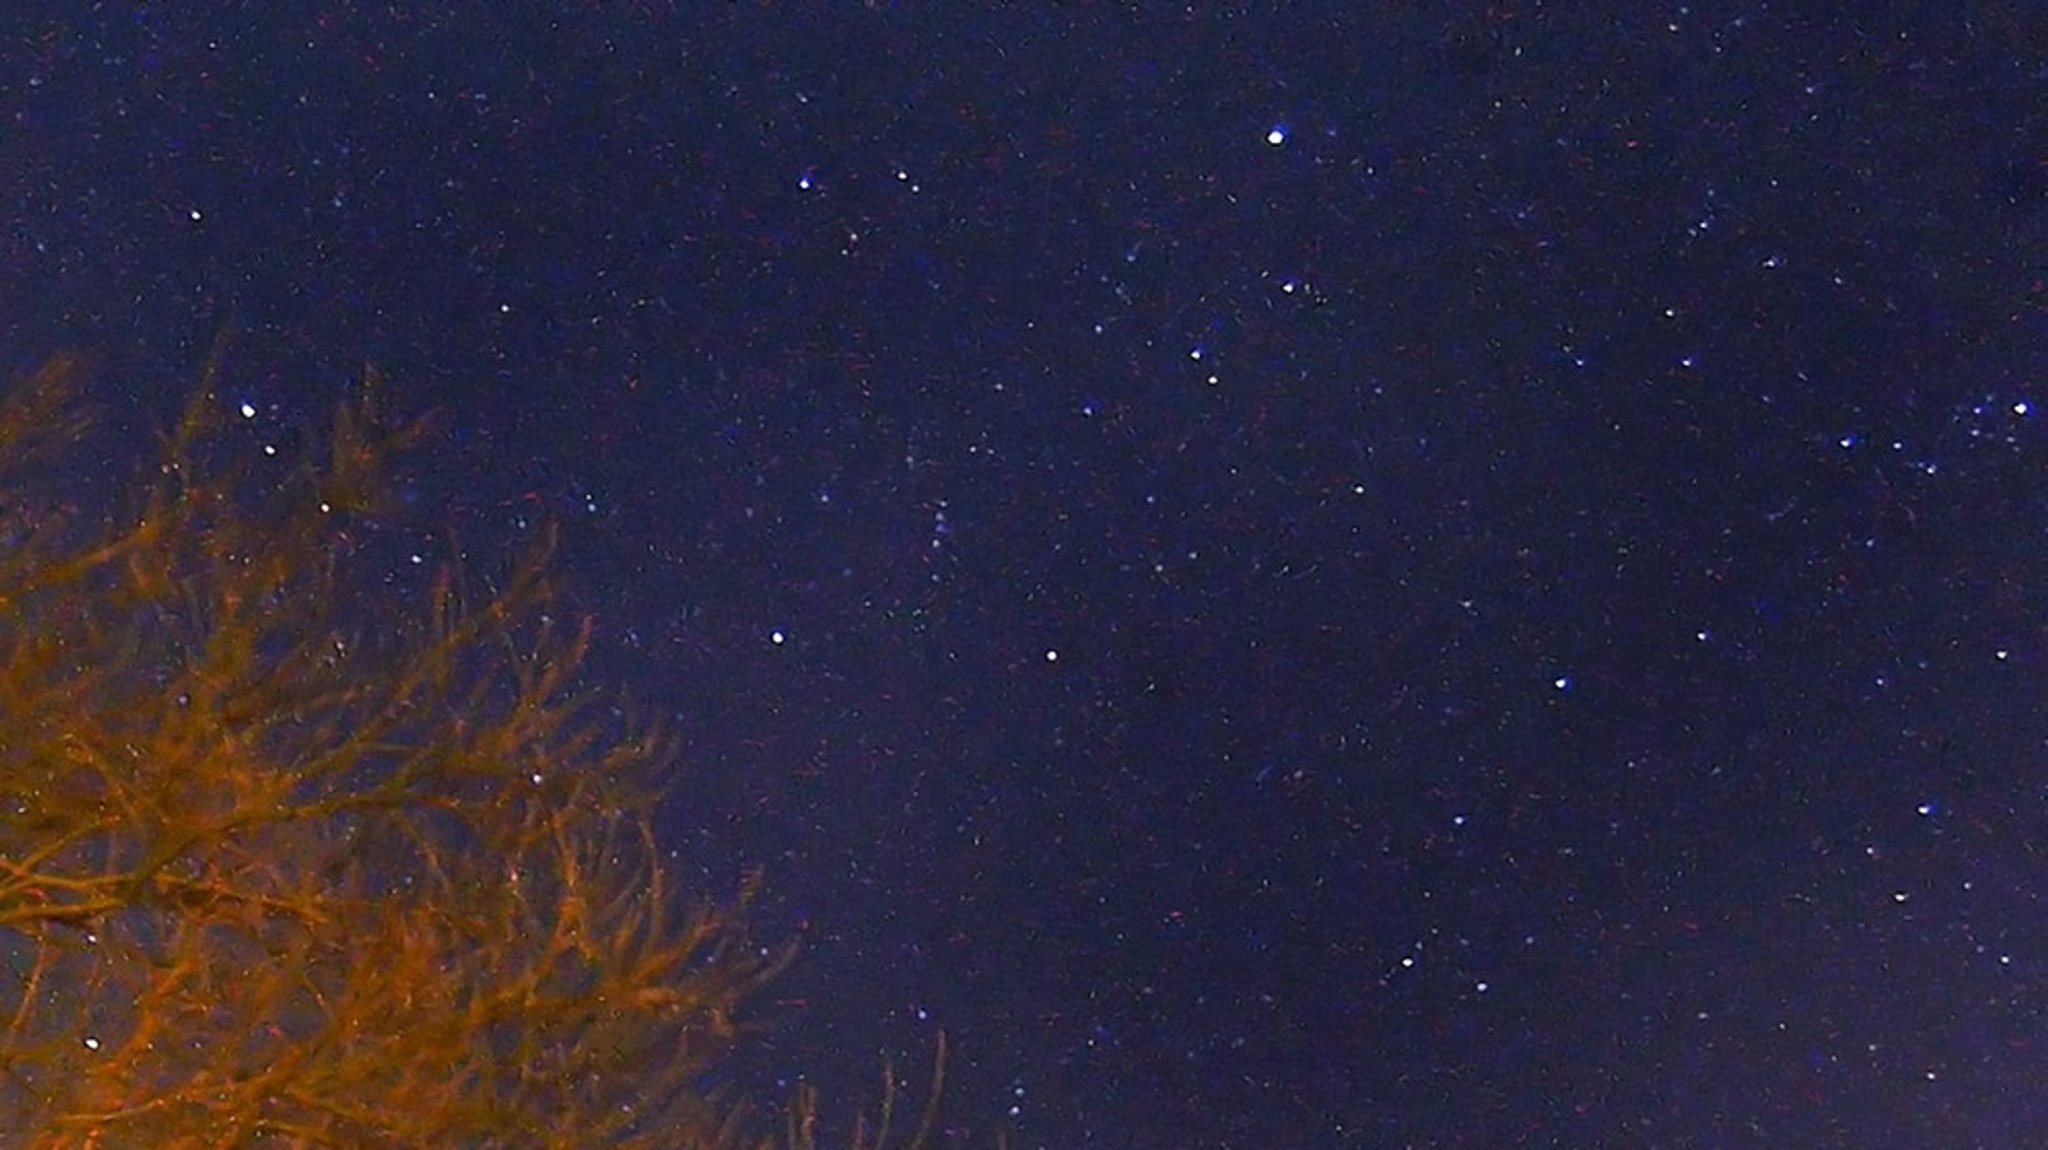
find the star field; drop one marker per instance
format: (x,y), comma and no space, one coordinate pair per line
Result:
(1297,578)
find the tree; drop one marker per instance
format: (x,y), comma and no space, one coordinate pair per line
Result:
(272,875)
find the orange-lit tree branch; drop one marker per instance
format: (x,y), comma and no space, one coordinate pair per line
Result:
(271,878)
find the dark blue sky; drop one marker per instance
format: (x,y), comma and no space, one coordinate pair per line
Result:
(1326,577)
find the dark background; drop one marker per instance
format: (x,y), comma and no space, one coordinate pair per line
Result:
(1317,576)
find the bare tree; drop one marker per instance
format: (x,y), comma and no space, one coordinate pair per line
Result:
(270,876)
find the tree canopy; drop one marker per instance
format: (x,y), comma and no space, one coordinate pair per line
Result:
(281,866)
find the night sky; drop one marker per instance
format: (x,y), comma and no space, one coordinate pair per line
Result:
(1325,576)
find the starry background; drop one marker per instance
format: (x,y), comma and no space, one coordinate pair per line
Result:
(1326,576)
